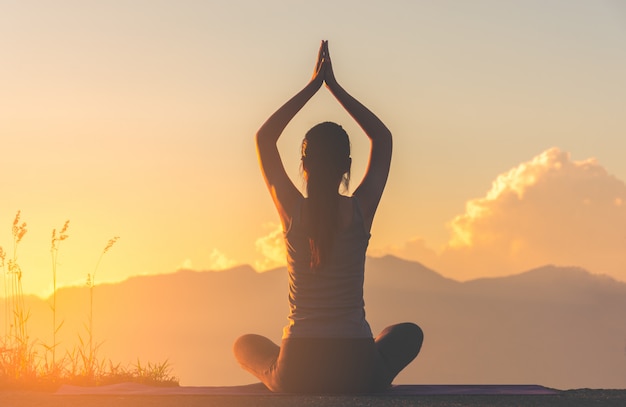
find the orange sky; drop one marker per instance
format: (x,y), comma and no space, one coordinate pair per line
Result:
(136,120)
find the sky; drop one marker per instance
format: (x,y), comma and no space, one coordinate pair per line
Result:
(136,119)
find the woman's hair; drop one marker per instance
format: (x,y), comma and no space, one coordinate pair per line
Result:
(326,163)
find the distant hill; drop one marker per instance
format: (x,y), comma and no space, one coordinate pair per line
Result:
(559,327)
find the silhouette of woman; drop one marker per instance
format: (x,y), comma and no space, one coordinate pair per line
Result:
(328,346)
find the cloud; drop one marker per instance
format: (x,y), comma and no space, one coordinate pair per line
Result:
(549,210)
(185,265)
(272,247)
(216,261)
(219,261)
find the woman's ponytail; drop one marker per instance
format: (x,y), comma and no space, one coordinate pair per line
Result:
(326,161)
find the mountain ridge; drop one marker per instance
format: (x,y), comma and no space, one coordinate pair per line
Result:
(558,327)
(546,273)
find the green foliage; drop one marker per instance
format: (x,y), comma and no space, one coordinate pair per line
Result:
(27,363)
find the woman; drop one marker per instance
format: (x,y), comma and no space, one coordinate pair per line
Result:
(328,346)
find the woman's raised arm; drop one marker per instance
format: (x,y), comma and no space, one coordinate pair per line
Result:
(371,188)
(283,191)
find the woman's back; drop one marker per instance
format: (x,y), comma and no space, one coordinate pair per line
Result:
(328,302)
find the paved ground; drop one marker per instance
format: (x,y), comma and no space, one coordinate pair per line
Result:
(571,398)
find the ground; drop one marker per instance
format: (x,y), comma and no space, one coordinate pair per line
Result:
(571,398)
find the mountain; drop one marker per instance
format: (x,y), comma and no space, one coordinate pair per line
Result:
(559,327)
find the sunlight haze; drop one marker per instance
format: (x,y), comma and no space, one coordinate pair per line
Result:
(136,119)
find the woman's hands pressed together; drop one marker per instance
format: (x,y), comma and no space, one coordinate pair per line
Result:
(323,72)
(329,74)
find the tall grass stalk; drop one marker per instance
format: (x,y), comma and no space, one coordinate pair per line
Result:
(18,333)
(3,256)
(91,283)
(54,252)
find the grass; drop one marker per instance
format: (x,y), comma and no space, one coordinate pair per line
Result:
(32,364)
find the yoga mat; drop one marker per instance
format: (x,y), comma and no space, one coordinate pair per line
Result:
(258,389)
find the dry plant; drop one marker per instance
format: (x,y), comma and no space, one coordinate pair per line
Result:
(17,355)
(20,363)
(54,252)
(89,356)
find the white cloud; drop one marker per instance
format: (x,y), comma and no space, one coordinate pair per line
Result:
(550,210)
(219,261)
(272,247)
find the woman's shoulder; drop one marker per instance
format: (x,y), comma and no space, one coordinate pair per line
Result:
(364,209)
